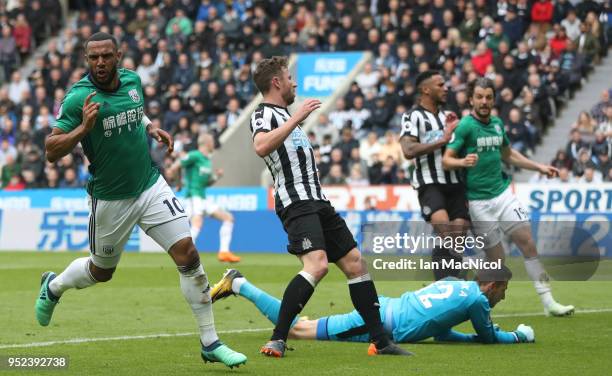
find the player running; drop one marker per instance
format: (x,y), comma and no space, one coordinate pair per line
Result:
(429,312)
(426,130)
(479,145)
(104,112)
(199,175)
(317,234)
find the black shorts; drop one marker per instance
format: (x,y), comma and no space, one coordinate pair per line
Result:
(315,225)
(450,197)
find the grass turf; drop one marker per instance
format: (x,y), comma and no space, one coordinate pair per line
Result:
(144,299)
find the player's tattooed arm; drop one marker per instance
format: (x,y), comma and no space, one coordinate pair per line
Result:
(412,148)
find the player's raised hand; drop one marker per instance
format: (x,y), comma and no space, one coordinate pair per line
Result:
(451,123)
(306,108)
(549,171)
(90,112)
(219,172)
(470,160)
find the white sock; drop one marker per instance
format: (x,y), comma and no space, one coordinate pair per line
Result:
(225,235)
(540,278)
(195,288)
(236,283)
(75,276)
(194,232)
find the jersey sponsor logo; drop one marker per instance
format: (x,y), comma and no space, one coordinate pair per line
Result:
(134,95)
(299,139)
(488,143)
(131,118)
(433,136)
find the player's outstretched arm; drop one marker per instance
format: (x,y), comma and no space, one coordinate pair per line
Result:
(266,142)
(515,158)
(486,332)
(455,336)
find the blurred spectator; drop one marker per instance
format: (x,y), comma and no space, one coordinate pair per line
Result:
(10,169)
(356,177)
(8,53)
(368,79)
(598,110)
(571,23)
(582,163)
(339,116)
(575,144)
(542,12)
(335,176)
(518,133)
(590,176)
(70,179)
(23,35)
(323,128)
(368,147)
(391,148)
(586,126)
(561,160)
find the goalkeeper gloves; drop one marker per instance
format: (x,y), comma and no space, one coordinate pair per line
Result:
(525,333)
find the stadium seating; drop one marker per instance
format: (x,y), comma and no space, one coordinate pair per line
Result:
(196,62)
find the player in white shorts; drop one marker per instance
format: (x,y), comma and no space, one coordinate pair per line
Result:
(198,175)
(104,112)
(479,145)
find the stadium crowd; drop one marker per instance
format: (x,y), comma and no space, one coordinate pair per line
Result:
(587,157)
(195,60)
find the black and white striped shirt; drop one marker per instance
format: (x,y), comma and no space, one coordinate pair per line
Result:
(427,127)
(293,164)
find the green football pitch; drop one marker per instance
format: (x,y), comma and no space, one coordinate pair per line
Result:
(139,324)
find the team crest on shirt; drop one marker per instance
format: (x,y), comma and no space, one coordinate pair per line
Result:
(498,129)
(134,95)
(306,244)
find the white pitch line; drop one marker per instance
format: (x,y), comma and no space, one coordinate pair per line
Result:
(122,338)
(234,331)
(580,311)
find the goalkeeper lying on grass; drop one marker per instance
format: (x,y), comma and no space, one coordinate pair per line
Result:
(429,312)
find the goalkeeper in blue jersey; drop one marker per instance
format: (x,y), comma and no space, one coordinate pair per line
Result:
(416,315)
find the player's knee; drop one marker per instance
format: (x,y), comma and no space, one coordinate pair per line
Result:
(101,275)
(184,252)
(320,270)
(353,265)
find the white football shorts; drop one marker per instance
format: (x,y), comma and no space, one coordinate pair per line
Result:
(157,211)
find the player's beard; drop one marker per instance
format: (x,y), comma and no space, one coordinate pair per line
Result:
(289,97)
(110,75)
(481,114)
